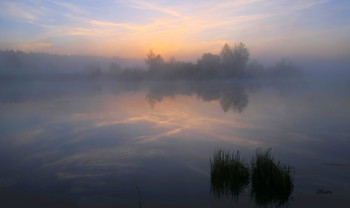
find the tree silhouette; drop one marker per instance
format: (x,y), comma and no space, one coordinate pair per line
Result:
(285,68)
(209,65)
(154,61)
(234,59)
(115,69)
(93,71)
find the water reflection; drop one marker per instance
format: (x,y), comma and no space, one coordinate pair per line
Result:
(229,176)
(88,144)
(231,95)
(271,183)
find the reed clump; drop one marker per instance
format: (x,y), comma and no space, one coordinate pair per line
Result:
(229,175)
(271,182)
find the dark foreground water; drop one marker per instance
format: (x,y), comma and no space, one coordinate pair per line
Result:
(95,144)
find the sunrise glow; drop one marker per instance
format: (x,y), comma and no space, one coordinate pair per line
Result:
(183,29)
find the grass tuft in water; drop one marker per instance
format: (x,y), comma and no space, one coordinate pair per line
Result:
(229,175)
(271,182)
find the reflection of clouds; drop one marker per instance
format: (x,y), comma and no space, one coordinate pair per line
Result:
(156,120)
(93,167)
(28,136)
(171,118)
(79,138)
(7,182)
(68,176)
(138,130)
(96,141)
(299,137)
(161,135)
(107,157)
(117,136)
(232,123)
(198,170)
(237,140)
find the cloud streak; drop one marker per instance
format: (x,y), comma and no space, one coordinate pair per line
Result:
(172,29)
(149,6)
(302,5)
(21,11)
(72,7)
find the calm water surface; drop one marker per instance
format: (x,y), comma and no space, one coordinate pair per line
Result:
(94,144)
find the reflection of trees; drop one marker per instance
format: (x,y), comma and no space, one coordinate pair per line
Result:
(118,88)
(154,98)
(231,96)
(93,71)
(236,100)
(158,91)
(271,182)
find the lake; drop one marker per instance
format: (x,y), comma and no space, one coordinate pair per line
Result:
(110,144)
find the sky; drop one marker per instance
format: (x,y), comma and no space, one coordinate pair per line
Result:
(182,29)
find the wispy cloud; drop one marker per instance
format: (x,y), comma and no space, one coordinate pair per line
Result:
(139,4)
(33,46)
(302,5)
(94,22)
(21,10)
(189,27)
(234,4)
(72,7)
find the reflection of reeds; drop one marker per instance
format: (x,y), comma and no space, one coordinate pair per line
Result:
(138,197)
(272,183)
(229,176)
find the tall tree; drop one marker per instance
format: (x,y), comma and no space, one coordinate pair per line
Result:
(234,59)
(154,61)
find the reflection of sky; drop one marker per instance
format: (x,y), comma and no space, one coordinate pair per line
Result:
(115,143)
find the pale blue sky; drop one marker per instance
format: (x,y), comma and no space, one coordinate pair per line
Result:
(184,29)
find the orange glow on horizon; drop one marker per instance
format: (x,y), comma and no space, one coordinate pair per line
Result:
(184,30)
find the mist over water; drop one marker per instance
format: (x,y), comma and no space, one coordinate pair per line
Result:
(93,142)
(167,103)
(98,132)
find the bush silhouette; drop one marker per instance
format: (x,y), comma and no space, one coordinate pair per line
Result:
(271,182)
(229,176)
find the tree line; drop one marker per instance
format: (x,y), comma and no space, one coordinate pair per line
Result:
(233,62)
